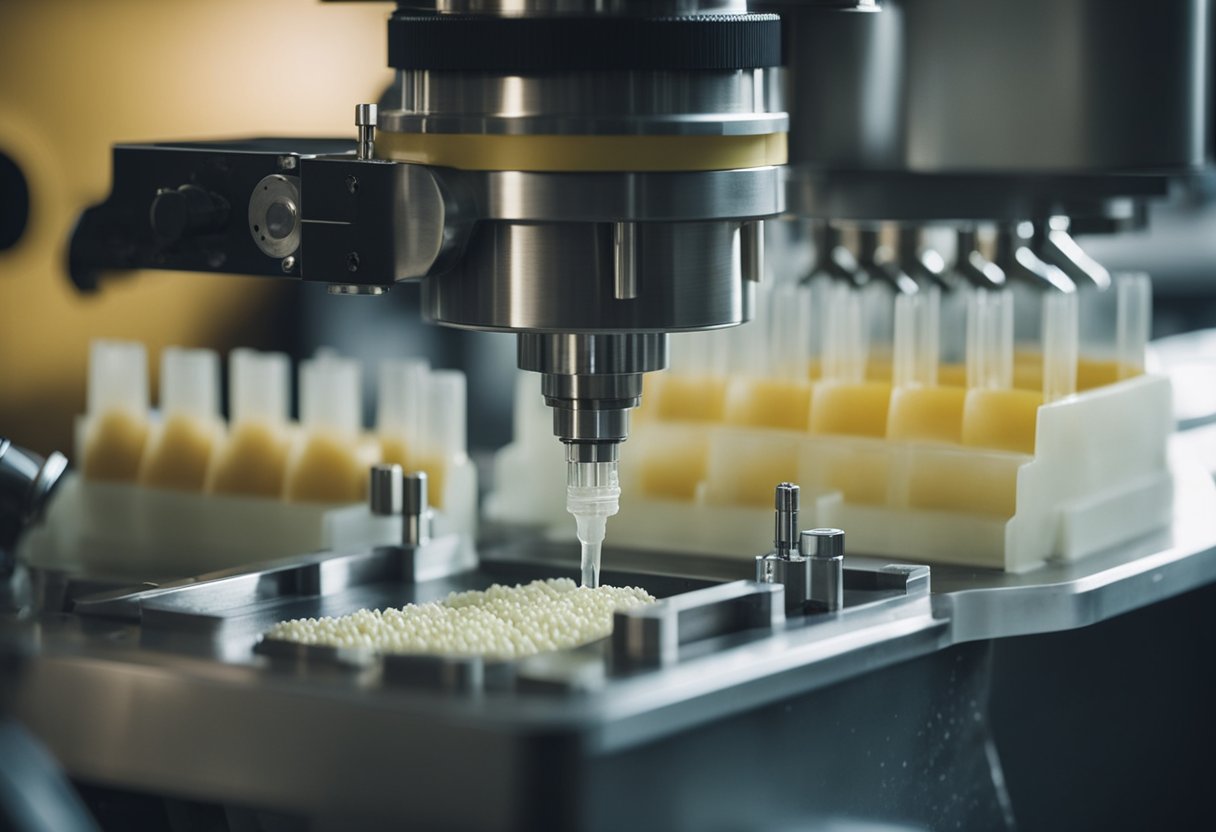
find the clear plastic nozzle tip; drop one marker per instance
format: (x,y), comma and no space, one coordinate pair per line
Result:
(593,494)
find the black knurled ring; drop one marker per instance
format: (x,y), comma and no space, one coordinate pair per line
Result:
(553,44)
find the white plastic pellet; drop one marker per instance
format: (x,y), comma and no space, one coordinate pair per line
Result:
(501,622)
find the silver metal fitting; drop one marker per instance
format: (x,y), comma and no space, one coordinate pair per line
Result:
(784,565)
(415,511)
(356,289)
(787,502)
(794,573)
(592,382)
(365,121)
(384,493)
(824,551)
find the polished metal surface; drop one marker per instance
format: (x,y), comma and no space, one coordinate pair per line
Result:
(1052,242)
(784,566)
(936,85)
(355,289)
(971,264)
(591,382)
(792,573)
(751,251)
(824,550)
(705,103)
(255,721)
(821,543)
(843,85)
(519,8)
(832,258)
(572,355)
(415,510)
(27,482)
(625,260)
(743,193)
(787,502)
(274,209)
(560,278)
(878,260)
(1019,261)
(384,490)
(365,122)
(917,259)
(652,635)
(938,110)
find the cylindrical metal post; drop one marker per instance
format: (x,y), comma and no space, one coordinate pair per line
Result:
(415,515)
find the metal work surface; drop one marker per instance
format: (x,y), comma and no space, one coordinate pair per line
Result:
(181,699)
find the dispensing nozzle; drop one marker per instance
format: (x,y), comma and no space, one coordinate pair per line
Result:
(592,381)
(593,495)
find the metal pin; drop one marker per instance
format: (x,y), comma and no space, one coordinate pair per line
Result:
(365,120)
(751,250)
(384,493)
(625,260)
(415,513)
(785,535)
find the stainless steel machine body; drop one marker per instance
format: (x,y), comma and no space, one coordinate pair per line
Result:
(732,703)
(708,709)
(580,169)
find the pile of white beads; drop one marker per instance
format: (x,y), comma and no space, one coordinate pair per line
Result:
(502,622)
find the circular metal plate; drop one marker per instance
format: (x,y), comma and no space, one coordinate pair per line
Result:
(274,215)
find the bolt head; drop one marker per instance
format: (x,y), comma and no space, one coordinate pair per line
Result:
(352,261)
(352,184)
(287,264)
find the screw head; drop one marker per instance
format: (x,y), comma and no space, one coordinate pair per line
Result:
(287,163)
(352,184)
(287,264)
(352,261)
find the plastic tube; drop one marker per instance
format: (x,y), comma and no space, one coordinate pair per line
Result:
(115,428)
(330,394)
(258,387)
(181,453)
(118,377)
(254,457)
(844,338)
(789,323)
(1059,345)
(1133,320)
(190,383)
(400,406)
(917,334)
(327,467)
(443,426)
(990,340)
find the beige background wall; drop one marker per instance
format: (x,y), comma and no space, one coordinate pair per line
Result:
(77,76)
